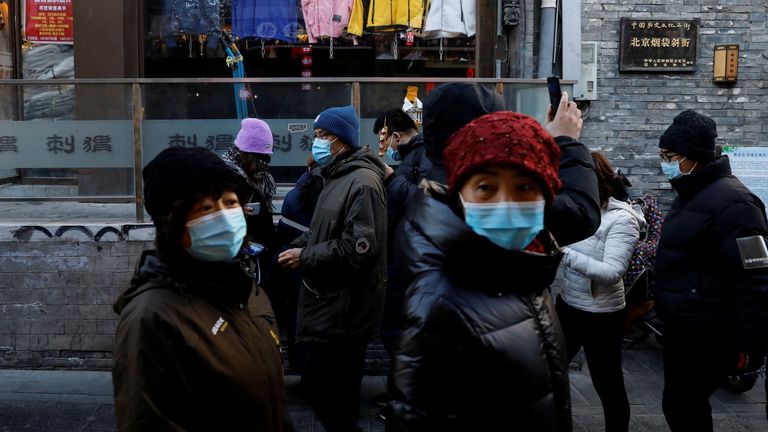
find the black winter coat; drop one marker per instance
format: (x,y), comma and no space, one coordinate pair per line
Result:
(343,255)
(574,214)
(402,188)
(404,184)
(481,347)
(701,283)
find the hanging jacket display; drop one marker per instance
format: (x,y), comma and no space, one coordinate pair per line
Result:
(265,19)
(356,20)
(185,16)
(450,19)
(327,18)
(393,15)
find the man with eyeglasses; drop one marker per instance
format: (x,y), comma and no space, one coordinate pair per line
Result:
(343,258)
(711,273)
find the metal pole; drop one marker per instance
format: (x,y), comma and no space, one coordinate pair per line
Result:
(356,97)
(547,41)
(138,163)
(498,33)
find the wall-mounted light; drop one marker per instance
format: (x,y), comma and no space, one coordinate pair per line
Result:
(726,63)
(3,14)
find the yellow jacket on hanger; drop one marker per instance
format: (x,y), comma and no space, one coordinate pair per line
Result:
(394,15)
(356,19)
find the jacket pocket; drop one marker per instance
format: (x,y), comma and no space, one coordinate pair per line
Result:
(318,292)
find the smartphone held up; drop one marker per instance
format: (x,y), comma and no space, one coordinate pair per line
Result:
(555,93)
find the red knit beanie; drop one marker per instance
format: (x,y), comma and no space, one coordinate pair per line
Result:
(506,138)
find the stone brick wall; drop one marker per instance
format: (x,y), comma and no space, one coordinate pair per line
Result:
(57,286)
(633,109)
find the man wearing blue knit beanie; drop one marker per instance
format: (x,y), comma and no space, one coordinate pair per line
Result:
(342,122)
(343,259)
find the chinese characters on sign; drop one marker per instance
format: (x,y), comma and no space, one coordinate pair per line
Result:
(56,144)
(49,21)
(291,138)
(222,142)
(726,63)
(110,143)
(216,143)
(748,164)
(652,45)
(8,144)
(91,144)
(66,144)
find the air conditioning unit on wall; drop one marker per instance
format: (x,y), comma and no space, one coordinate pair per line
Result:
(587,86)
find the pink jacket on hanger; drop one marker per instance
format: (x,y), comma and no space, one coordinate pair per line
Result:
(326,17)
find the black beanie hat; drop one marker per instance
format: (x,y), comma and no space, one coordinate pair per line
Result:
(450,107)
(179,173)
(691,135)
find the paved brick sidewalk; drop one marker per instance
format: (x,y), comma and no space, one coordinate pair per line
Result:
(38,401)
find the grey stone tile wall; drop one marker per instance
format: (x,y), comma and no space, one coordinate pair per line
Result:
(57,286)
(633,109)
(57,291)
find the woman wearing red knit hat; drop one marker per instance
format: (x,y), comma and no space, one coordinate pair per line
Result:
(481,347)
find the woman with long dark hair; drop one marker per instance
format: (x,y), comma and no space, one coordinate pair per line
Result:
(250,158)
(591,294)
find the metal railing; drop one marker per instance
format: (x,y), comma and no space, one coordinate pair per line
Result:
(149,108)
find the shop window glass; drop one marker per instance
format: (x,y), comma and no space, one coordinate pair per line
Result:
(294,38)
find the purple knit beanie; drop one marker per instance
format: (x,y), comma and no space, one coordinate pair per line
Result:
(255,136)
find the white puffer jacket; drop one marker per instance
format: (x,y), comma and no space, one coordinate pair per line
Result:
(450,19)
(590,275)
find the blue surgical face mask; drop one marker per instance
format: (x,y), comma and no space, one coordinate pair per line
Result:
(217,236)
(672,169)
(393,154)
(321,150)
(511,225)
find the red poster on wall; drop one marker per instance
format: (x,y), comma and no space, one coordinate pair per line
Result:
(49,21)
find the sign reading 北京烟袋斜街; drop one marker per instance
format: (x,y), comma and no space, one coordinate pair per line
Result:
(658,45)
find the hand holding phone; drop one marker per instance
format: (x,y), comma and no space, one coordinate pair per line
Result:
(252,208)
(555,93)
(568,122)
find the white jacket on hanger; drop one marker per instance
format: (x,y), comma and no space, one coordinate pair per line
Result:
(590,276)
(450,19)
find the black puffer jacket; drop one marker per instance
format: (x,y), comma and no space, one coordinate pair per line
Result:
(402,188)
(481,344)
(574,215)
(701,283)
(404,184)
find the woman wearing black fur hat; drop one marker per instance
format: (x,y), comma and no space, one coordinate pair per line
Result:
(196,347)
(711,296)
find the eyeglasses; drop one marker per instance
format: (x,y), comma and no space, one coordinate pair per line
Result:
(667,156)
